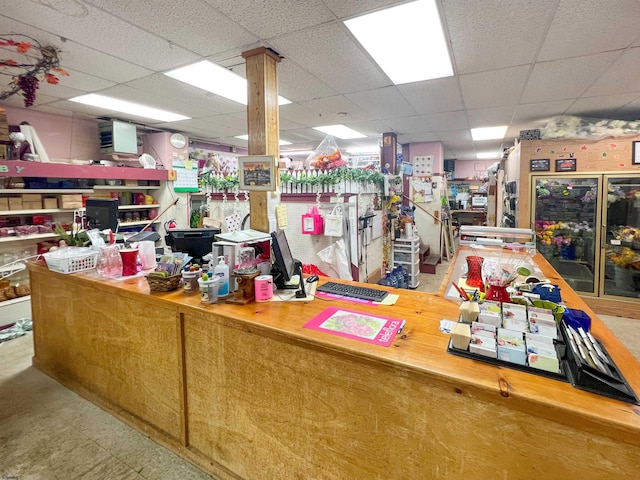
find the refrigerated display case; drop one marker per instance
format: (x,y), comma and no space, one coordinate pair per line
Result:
(565,212)
(588,228)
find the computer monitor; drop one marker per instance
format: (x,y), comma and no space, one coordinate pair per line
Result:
(285,267)
(102,213)
(196,242)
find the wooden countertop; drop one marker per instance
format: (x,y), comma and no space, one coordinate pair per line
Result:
(421,349)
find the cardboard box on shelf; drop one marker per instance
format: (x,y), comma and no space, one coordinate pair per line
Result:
(4,204)
(32,205)
(15,203)
(31,197)
(50,202)
(70,201)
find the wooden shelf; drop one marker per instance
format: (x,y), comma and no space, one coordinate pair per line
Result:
(135,224)
(27,238)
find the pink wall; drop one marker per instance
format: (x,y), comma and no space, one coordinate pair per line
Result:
(65,137)
(471,168)
(411,150)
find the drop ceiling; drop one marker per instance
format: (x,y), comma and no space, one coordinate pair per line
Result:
(516,63)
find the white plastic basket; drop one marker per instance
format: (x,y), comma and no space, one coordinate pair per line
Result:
(71,259)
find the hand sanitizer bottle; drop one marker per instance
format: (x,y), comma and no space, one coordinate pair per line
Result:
(222,270)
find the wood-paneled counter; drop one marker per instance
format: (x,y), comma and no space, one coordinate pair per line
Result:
(246,392)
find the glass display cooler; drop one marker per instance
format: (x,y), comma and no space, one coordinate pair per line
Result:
(588,229)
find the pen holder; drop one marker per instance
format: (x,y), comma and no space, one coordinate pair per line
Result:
(498,293)
(474,271)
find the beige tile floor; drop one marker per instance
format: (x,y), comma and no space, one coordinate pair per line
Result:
(49,432)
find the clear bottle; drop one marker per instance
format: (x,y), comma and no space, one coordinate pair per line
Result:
(114,262)
(221,270)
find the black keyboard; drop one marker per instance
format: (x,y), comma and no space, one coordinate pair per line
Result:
(353,291)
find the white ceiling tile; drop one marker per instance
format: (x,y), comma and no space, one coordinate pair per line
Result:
(386,102)
(407,125)
(493,88)
(84,82)
(270,18)
(433,96)
(329,107)
(296,84)
(298,113)
(208,30)
(601,107)
(421,137)
(370,128)
(441,122)
(621,77)
(490,117)
(59,91)
(631,111)
(565,79)
(585,27)
(485,27)
(203,125)
(354,8)
(533,112)
(455,136)
(330,54)
(101,31)
(201,103)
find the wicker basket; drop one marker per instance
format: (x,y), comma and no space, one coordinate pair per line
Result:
(163,284)
(23,290)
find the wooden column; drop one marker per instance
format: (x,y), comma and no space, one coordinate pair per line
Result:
(262,122)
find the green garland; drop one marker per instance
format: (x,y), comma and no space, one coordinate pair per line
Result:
(226,183)
(332,177)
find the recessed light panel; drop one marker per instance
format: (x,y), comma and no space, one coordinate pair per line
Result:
(406,41)
(489,133)
(340,131)
(216,79)
(123,106)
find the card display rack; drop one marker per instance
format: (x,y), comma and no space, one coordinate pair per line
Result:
(573,369)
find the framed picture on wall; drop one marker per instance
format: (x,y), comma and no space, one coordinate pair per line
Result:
(540,165)
(257,172)
(635,153)
(565,165)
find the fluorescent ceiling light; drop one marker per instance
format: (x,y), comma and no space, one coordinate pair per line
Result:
(131,108)
(246,137)
(394,36)
(487,155)
(489,133)
(340,131)
(216,79)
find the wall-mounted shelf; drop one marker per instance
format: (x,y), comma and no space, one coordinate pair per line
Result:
(45,191)
(137,207)
(19,168)
(29,238)
(122,188)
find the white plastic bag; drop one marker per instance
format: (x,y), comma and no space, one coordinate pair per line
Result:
(336,256)
(333,223)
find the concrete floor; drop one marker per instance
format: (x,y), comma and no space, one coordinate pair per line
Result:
(48,432)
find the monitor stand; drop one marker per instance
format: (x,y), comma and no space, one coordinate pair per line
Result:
(280,284)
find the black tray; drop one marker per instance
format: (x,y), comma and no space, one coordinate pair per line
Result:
(561,376)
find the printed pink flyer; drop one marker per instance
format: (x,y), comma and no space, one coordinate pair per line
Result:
(361,326)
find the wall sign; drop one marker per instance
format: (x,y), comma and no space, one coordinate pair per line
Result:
(539,165)
(566,165)
(635,153)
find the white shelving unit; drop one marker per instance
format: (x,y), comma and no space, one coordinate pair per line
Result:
(406,252)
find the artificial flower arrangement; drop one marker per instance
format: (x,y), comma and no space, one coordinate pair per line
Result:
(624,257)
(561,233)
(569,126)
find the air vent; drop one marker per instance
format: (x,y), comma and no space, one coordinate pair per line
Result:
(118,137)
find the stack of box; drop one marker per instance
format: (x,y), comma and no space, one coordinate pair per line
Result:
(50,202)
(70,201)
(15,203)
(4,204)
(31,201)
